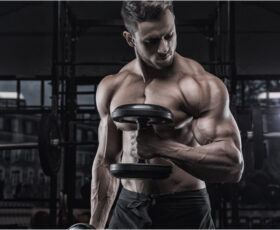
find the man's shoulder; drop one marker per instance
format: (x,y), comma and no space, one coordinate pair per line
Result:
(194,73)
(199,86)
(105,91)
(109,85)
(112,80)
(189,66)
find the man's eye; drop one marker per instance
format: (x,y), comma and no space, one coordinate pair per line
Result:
(151,41)
(168,36)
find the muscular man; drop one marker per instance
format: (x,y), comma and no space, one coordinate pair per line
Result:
(203,143)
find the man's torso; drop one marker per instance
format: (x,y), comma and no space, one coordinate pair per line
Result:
(165,92)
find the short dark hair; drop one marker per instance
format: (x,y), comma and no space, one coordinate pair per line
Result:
(134,12)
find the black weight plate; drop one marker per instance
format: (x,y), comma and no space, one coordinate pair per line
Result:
(155,114)
(140,170)
(50,155)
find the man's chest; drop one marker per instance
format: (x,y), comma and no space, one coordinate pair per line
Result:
(163,93)
(166,94)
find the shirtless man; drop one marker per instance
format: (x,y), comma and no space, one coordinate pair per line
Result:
(203,143)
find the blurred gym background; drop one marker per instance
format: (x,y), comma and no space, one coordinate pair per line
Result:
(54,54)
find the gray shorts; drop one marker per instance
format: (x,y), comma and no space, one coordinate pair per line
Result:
(182,210)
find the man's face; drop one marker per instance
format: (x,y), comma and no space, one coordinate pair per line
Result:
(155,41)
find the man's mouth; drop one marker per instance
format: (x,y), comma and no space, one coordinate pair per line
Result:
(164,57)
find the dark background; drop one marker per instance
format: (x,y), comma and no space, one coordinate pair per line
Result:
(27,38)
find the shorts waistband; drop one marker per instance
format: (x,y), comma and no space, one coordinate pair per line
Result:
(127,194)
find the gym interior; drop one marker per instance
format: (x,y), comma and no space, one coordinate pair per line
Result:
(53,56)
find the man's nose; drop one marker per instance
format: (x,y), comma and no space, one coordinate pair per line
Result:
(163,47)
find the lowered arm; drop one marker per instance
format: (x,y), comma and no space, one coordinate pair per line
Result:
(104,186)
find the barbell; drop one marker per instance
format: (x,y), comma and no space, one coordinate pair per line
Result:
(49,144)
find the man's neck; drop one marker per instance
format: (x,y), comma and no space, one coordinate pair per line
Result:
(148,73)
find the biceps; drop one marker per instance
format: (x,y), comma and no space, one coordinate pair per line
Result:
(207,130)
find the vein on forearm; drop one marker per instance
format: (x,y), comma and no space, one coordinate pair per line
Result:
(201,161)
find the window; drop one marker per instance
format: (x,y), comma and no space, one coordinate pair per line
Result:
(85,135)
(2,103)
(79,180)
(16,176)
(80,159)
(11,102)
(15,155)
(22,102)
(35,128)
(1,123)
(7,124)
(15,125)
(90,135)
(2,174)
(12,155)
(41,178)
(30,176)
(89,156)
(7,155)
(28,127)
(30,155)
(79,135)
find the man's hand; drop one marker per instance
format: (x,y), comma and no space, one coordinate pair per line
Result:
(145,143)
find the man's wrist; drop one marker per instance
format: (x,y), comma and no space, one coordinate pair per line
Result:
(164,148)
(170,149)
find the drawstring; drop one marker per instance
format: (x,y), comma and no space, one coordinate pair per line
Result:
(145,201)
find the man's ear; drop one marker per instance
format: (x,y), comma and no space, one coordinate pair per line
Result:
(129,39)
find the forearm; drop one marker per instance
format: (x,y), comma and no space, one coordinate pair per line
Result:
(215,162)
(103,193)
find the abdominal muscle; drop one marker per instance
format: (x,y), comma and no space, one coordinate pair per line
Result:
(178,181)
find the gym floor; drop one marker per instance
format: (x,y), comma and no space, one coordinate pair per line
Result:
(56,52)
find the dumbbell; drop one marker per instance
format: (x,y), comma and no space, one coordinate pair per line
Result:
(144,115)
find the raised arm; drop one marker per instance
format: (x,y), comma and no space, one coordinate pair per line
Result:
(219,158)
(104,187)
